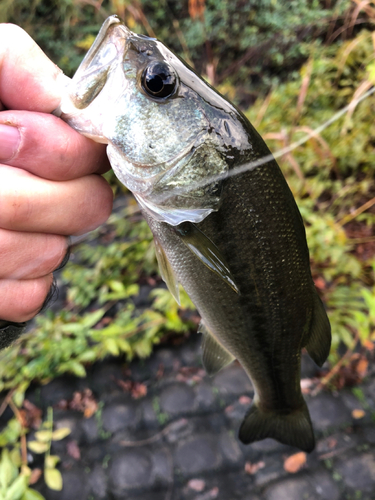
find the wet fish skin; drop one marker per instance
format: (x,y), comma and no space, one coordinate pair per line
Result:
(250,219)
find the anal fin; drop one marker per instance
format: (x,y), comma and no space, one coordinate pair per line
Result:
(166,271)
(214,355)
(319,340)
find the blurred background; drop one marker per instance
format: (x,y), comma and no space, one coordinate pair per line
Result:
(289,67)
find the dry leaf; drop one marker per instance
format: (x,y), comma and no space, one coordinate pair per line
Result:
(196,484)
(73,450)
(368,344)
(357,413)
(138,390)
(35,476)
(244,400)
(85,402)
(295,462)
(253,468)
(362,367)
(196,8)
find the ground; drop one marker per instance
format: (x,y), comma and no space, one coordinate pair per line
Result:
(161,429)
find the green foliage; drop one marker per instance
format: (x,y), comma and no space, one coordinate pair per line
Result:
(331,175)
(14,477)
(271,35)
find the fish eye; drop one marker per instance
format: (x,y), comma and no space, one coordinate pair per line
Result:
(159,80)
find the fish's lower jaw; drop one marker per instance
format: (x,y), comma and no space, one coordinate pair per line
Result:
(293,429)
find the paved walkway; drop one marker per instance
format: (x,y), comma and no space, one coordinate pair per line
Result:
(165,431)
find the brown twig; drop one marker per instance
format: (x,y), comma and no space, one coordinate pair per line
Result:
(346,358)
(5,403)
(151,439)
(358,211)
(23,436)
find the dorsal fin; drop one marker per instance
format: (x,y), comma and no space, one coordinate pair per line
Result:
(166,271)
(206,251)
(214,355)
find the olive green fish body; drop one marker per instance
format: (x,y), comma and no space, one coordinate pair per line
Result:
(236,242)
(259,231)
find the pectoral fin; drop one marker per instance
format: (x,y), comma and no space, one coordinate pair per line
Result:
(214,355)
(166,271)
(206,251)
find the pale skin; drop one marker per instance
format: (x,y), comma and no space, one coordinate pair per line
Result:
(49,182)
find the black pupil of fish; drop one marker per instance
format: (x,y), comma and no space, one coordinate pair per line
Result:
(158,80)
(155,83)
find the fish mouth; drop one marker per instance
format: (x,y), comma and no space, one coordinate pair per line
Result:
(114,31)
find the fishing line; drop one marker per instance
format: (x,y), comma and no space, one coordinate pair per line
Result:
(246,167)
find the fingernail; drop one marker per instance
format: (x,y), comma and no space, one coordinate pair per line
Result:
(9,141)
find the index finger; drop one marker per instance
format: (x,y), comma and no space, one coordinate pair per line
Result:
(28,78)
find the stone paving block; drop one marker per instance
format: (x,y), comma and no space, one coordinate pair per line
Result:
(268,446)
(198,454)
(341,441)
(179,430)
(232,381)
(149,415)
(230,449)
(317,486)
(128,470)
(177,399)
(104,376)
(89,428)
(190,353)
(118,417)
(272,470)
(75,486)
(162,462)
(98,483)
(165,358)
(369,434)
(205,397)
(358,472)
(328,412)
(59,389)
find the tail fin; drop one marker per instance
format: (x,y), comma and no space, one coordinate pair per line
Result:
(319,339)
(294,428)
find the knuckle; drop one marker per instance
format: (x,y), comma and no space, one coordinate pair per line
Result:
(33,296)
(21,300)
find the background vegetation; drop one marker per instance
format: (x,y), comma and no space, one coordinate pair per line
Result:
(290,67)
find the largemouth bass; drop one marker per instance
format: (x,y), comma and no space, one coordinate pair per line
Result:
(236,243)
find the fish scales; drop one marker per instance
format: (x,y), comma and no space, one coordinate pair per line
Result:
(236,243)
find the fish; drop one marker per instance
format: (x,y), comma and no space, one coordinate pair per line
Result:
(225,223)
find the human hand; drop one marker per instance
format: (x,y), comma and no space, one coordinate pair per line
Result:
(49,182)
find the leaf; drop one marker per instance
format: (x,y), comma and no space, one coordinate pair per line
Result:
(37,446)
(31,494)
(93,318)
(53,479)
(112,347)
(59,434)
(43,436)
(295,462)
(8,471)
(52,461)
(17,488)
